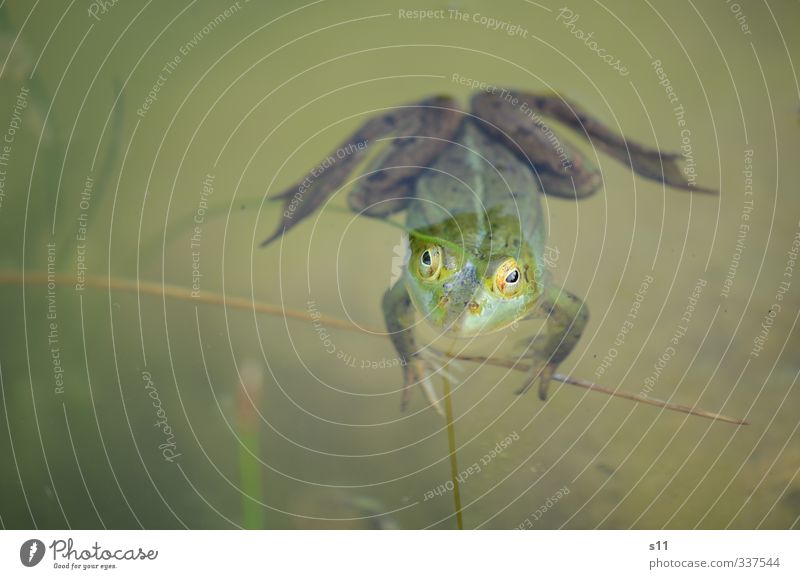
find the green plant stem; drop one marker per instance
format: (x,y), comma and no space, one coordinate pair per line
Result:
(451,442)
(250,478)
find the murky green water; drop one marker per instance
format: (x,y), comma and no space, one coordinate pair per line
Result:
(142,142)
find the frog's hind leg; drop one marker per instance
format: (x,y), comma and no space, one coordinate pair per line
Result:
(517,119)
(418,133)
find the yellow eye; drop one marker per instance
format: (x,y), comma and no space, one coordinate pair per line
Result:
(430,262)
(508,278)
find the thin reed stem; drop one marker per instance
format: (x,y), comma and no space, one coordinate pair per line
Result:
(451,442)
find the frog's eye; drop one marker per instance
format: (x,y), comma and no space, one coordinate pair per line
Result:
(508,279)
(430,262)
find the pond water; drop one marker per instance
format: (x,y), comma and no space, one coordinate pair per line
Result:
(143,143)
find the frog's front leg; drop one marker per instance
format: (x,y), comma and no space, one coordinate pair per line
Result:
(398,312)
(566,319)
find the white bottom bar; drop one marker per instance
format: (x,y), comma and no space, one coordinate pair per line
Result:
(405,554)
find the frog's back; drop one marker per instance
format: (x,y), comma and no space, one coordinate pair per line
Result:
(480,194)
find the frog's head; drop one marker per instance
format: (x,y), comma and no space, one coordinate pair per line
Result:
(466,295)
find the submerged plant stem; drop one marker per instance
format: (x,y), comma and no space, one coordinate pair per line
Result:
(250,478)
(451,442)
(169,291)
(644,399)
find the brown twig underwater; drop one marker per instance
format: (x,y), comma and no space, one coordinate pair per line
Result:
(180,293)
(523,367)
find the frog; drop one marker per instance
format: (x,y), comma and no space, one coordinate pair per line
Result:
(470,182)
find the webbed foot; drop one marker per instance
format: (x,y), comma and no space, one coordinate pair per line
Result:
(542,373)
(566,319)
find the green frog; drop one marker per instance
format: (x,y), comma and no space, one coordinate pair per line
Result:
(470,184)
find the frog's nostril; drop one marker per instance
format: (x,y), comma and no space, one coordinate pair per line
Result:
(443,301)
(474,307)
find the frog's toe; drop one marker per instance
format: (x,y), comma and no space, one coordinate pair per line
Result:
(541,373)
(421,370)
(430,394)
(524,388)
(441,364)
(411,376)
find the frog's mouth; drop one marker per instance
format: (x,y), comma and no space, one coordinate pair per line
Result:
(472,310)
(480,316)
